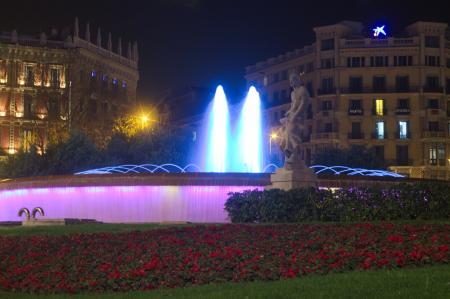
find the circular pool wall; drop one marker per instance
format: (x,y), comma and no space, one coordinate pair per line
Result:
(131,198)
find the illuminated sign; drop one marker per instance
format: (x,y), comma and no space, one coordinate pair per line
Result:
(378,30)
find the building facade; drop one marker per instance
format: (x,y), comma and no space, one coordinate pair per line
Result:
(52,84)
(383,92)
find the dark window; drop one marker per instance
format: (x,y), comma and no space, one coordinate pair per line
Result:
(433,126)
(403,103)
(432,41)
(327,84)
(448,62)
(402,155)
(432,60)
(433,103)
(379,152)
(327,63)
(104,107)
(379,84)
(284,75)
(276,77)
(309,87)
(276,96)
(283,94)
(355,105)
(53,108)
(356,128)
(309,67)
(326,105)
(355,84)
(27,105)
(402,83)
(54,77)
(402,60)
(432,81)
(327,44)
(328,127)
(379,61)
(29,75)
(356,62)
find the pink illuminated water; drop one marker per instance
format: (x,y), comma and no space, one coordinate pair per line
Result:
(123,204)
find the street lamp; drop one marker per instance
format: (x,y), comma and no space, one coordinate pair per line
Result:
(273,135)
(144,120)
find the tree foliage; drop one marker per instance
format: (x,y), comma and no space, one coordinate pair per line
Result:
(78,152)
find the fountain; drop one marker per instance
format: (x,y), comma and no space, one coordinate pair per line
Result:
(216,142)
(237,152)
(249,146)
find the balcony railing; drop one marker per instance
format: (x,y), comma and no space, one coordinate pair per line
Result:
(355,135)
(374,112)
(377,136)
(380,90)
(402,137)
(435,162)
(434,134)
(324,91)
(325,135)
(402,111)
(355,111)
(403,162)
(435,89)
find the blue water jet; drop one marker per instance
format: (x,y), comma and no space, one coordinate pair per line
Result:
(218,128)
(249,152)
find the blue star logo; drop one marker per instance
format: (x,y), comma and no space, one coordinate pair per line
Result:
(378,30)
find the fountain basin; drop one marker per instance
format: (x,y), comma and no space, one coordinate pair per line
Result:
(128,198)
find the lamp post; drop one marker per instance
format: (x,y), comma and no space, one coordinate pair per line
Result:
(272,136)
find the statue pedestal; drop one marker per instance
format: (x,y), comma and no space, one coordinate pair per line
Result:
(290,179)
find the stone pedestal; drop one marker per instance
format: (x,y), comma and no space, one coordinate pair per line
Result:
(44,222)
(290,179)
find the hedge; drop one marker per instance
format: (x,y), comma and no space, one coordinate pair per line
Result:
(404,201)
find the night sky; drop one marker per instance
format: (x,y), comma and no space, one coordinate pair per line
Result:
(207,42)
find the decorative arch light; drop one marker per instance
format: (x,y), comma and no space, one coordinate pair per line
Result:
(173,168)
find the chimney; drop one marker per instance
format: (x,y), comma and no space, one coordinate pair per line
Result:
(119,46)
(129,51)
(43,38)
(109,42)
(99,38)
(76,30)
(135,52)
(87,33)
(14,37)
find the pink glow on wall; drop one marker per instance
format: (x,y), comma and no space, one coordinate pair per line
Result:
(123,204)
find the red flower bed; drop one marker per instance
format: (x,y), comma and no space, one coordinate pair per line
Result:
(178,257)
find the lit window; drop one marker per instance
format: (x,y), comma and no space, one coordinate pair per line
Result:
(124,84)
(379,107)
(403,129)
(105,78)
(115,81)
(93,74)
(27,140)
(379,129)
(433,155)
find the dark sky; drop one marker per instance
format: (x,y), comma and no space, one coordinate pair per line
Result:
(206,42)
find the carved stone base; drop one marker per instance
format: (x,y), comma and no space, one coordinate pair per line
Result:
(290,179)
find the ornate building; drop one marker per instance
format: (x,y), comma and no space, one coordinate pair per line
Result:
(370,89)
(52,84)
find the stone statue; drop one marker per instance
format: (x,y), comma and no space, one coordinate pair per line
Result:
(292,124)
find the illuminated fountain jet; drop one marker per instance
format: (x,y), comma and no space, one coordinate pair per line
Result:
(249,135)
(378,30)
(217,133)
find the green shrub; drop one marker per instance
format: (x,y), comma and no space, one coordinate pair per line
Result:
(405,201)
